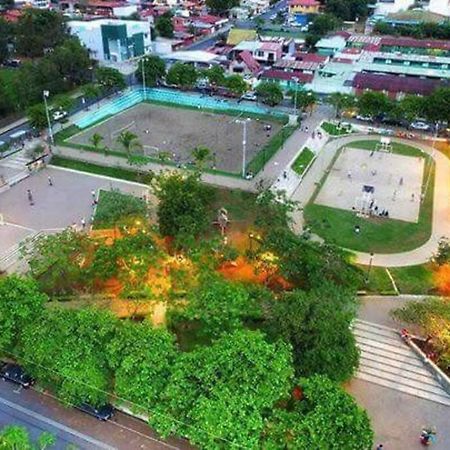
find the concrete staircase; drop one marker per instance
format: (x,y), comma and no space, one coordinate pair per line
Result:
(387,361)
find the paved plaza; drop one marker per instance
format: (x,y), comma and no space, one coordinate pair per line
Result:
(178,131)
(373,182)
(55,207)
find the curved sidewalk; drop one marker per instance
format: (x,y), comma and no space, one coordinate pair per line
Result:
(441,206)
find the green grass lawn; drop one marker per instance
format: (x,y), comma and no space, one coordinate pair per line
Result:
(414,279)
(303,160)
(401,149)
(378,281)
(377,235)
(334,130)
(277,141)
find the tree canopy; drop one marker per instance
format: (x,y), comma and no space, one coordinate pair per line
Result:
(182,205)
(182,75)
(221,6)
(154,69)
(15,437)
(317,326)
(109,78)
(164,25)
(21,302)
(270,93)
(217,402)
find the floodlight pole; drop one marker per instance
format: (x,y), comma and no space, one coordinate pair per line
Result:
(45,94)
(143,78)
(244,145)
(295,94)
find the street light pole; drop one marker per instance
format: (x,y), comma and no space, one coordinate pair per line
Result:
(370,267)
(244,144)
(295,94)
(143,77)
(45,94)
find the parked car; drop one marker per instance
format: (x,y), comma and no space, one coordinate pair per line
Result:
(16,374)
(420,125)
(250,96)
(364,118)
(104,412)
(59,115)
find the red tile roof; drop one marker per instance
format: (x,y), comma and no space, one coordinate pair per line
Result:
(416,43)
(250,62)
(310,57)
(286,76)
(394,83)
(208,18)
(102,4)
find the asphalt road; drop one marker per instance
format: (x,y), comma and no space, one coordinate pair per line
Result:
(38,413)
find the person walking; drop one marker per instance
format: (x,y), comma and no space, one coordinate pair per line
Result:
(83,223)
(30,197)
(380,447)
(50,181)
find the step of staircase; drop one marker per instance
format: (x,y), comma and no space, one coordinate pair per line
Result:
(387,361)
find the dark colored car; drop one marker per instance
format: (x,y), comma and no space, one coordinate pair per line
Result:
(15,373)
(104,412)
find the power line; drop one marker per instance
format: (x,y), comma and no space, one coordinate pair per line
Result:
(147,410)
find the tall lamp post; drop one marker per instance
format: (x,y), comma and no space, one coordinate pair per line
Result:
(143,78)
(46,94)
(295,79)
(244,144)
(369,269)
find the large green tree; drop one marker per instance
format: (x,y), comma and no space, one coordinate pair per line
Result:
(37,116)
(182,205)
(154,69)
(317,325)
(6,35)
(67,349)
(269,93)
(143,358)
(221,6)
(220,306)
(20,303)
(215,75)
(38,31)
(129,142)
(57,261)
(15,437)
(182,75)
(236,84)
(109,78)
(437,106)
(164,25)
(323,23)
(347,9)
(340,102)
(374,104)
(325,417)
(217,396)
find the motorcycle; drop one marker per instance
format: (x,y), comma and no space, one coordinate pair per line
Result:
(428,436)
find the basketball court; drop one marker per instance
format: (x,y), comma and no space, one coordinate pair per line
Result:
(375,184)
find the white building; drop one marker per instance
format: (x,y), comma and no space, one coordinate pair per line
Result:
(39,4)
(440,7)
(113,40)
(385,7)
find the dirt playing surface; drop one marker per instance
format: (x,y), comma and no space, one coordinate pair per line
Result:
(176,131)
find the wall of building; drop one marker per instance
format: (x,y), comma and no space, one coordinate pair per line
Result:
(393,7)
(440,7)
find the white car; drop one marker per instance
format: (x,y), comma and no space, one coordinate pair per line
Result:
(251,96)
(419,125)
(363,118)
(59,115)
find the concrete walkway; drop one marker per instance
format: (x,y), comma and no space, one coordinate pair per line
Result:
(441,208)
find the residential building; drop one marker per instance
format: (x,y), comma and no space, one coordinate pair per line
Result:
(384,7)
(330,45)
(286,80)
(441,7)
(113,40)
(246,65)
(394,86)
(38,4)
(99,8)
(199,58)
(303,7)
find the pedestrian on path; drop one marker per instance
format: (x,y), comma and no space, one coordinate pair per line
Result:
(50,181)
(30,197)
(83,223)
(380,447)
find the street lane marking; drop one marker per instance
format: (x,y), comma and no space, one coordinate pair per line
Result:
(55,424)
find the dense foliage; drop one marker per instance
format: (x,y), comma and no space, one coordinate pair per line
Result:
(221,6)
(164,25)
(269,93)
(182,206)
(15,437)
(154,69)
(347,9)
(182,75)
(423,30)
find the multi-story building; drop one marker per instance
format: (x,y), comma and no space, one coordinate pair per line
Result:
(303,7)
(113,40)
(441,7)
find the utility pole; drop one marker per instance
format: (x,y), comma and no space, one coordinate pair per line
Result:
(295,94)
(143,77)
(45,94)
(244,145)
